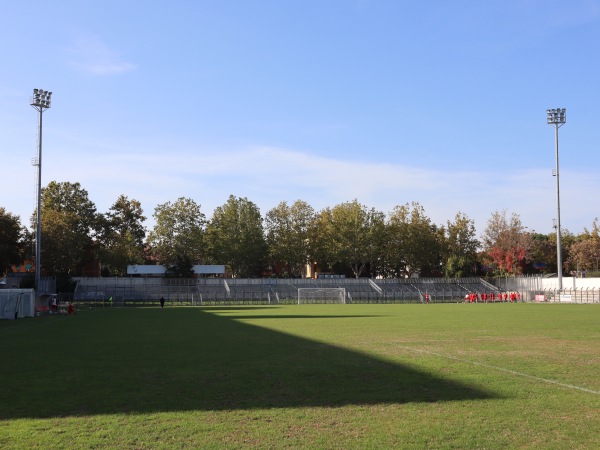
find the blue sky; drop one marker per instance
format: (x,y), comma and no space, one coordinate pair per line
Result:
(387,102)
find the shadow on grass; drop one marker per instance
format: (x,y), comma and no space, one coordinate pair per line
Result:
(141,361)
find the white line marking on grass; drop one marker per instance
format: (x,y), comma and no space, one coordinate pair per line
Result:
(502,369)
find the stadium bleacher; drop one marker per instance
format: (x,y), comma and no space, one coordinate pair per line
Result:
(134,291)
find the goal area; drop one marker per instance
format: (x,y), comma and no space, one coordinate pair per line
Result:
(321,295)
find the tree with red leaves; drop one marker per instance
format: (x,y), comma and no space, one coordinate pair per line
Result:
(506,243)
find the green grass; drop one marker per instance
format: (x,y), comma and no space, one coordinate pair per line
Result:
(310,376)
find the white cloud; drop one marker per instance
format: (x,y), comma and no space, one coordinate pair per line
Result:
(93,56)
(268,176)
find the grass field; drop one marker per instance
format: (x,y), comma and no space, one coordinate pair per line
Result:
(308,376)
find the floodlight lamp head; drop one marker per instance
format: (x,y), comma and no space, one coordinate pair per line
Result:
(41,99)
(556,116)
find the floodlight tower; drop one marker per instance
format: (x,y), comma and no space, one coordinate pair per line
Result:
(40,102)
(557,118)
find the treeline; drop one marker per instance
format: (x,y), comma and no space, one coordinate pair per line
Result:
(348,238)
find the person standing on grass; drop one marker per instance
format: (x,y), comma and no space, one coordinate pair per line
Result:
(162,302)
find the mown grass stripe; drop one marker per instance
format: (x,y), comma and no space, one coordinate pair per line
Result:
(502,369)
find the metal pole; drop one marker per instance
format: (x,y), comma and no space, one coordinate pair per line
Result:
(557,118)
(558,237)
(40,101)
(38,228)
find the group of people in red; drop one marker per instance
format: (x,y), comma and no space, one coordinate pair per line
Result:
(492,297)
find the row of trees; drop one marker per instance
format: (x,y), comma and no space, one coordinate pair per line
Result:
(348,238)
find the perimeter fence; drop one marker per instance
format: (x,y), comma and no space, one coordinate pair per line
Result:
(110,292)
(577,295)
(544,288)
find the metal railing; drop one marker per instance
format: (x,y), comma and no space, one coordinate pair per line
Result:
(577,295)
(110,292)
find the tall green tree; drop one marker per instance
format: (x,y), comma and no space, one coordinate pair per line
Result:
(181,268)
(178,232)
(122,236)
(287,228)
(235,237)
(413,241)
(66,197)
(322,248)
(12,235)
(507,243)
(459,246)
(349,234)
(584,253)
(543,254)
(69,226)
